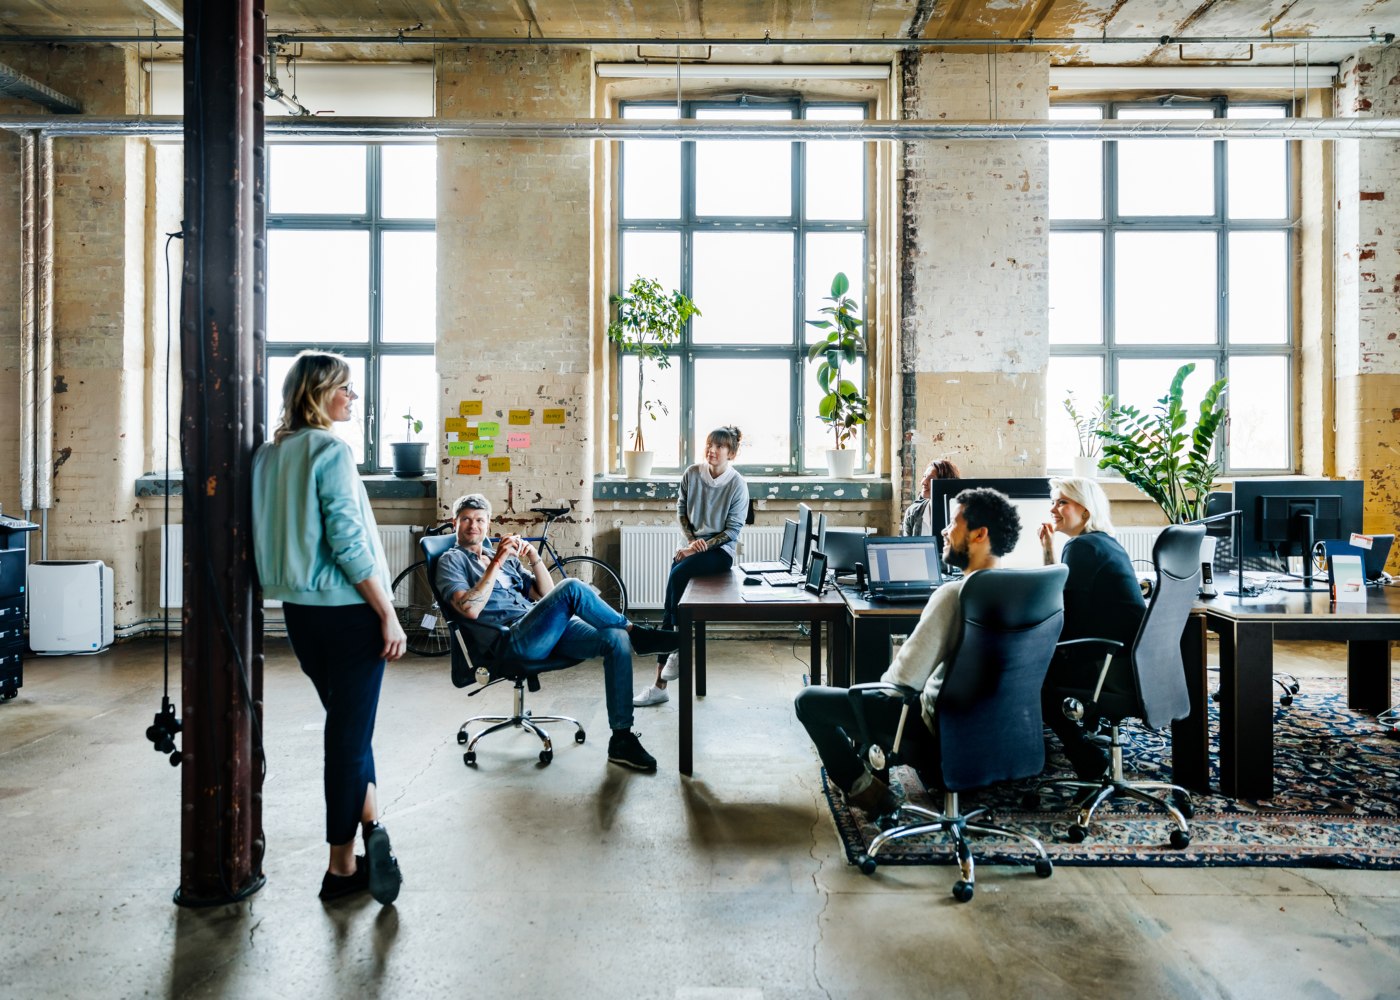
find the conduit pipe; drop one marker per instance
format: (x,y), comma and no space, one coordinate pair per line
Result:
(28,184)
(43,365)
(812,131)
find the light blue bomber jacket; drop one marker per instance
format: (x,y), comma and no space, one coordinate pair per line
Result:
(314,535)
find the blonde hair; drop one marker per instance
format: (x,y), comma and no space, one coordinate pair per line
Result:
(1089,495)
(315,376)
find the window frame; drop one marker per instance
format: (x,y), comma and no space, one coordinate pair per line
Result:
(687,223)
(374,349)
(1111,223)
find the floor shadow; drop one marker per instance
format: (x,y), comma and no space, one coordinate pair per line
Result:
(750,824)
(208,946)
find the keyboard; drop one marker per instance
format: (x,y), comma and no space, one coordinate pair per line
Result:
(784,579)
(904,597)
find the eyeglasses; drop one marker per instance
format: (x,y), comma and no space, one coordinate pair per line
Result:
(348,388)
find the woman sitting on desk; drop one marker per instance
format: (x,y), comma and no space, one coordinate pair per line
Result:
(916,518)
(1102,601)
(711,508)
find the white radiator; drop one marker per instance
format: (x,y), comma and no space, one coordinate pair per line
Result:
(400,551)
(1138,542)
(647,551)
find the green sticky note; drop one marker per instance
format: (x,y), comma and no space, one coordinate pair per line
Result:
(455,448)
(488,428)
(487,447)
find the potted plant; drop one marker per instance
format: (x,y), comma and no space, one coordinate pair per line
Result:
(841,406)
(409,455)
(1155,452)
(648,322)
(1086,428)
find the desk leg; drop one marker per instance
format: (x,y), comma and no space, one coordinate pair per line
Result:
(839,637)
(699,659)
(1368,675)
(1247,711)
(1191,735)
(815,637)
(685,628)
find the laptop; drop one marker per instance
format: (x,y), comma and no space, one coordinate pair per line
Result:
(902,568)
(783,564)
(1373,559)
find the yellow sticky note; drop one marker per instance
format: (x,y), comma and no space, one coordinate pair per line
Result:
(454,424)
(498,464)
(488,428)
(554,416)
(481,447)
(469,467)
(455,448)
(519,417)
(468,434)
(469,407)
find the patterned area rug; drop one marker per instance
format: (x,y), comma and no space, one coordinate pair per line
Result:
(1338,803)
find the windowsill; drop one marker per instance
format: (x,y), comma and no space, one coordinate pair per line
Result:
(667,487)
(379,487)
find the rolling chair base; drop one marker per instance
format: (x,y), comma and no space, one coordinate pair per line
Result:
(957,826)
(522,719)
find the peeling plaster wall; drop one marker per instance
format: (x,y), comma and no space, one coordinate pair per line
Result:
(975,246)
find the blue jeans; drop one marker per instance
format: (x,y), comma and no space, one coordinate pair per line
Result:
(572,621)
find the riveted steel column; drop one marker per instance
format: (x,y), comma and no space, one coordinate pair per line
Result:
(221,835)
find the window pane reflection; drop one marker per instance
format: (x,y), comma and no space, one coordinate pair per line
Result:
(1166,176)
(755,394)
(317,285)
(743,177)
(1166,291)
(743,286)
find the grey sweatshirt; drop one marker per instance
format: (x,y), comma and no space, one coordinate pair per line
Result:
(715,512)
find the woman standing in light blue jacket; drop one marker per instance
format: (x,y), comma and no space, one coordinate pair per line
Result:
(317,550)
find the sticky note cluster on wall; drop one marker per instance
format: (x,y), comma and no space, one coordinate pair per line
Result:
(474,437)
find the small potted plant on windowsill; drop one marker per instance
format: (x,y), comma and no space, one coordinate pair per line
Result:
(1086,428)
(648,323)
(841,406)
(410,455)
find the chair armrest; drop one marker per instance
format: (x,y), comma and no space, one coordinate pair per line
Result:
(1107,648)
(1085,645)
(908,698)
(475,645)
(906,693)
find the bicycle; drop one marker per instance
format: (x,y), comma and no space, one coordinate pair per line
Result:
(426,627)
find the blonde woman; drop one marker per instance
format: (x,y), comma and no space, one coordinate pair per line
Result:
(317,550)
(1102,600)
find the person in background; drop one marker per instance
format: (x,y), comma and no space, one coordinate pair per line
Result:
(984,527)
(317,551)
(1102,600)
(711,507)
(916,519)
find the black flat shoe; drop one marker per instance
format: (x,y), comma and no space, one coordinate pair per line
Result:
(646,641)
(337,886)
(384,875)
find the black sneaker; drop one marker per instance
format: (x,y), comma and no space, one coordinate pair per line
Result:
(384,875)
(654,640)
(624,748)
(337,886)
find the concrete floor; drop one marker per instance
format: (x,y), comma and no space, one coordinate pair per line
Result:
(583,880)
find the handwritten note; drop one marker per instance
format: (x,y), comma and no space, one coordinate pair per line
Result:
(554,416)
(468,434)
(469,467)
(482,447)
(517,440)
(519,418)
(488,428)
(455,448)
(454,424)
(469,408)
(498,464)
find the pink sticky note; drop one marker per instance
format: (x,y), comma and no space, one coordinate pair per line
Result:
(518,441)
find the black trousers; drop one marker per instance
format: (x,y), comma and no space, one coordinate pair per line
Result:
(711,562)
(338,648)
(830,720)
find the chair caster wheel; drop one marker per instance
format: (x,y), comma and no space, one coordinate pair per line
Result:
(469,758)
(1180,839)
(1030,801)
(1044,868)
(866,864)
(962,891)
(1286,700)
(462,737)
(1183,802)
(546,756)
(1077,833)
(580,736)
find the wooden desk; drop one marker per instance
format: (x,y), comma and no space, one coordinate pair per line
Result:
(873,625)
(1247,630)
(721,599)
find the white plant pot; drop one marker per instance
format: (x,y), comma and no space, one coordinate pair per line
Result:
(637,463)
(841,462)
(1087,467)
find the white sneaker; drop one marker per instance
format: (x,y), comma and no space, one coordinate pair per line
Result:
(672,669)
(651,695)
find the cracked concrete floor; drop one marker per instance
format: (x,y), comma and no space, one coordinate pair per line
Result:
(582,880)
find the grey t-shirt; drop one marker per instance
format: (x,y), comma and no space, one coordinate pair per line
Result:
(458,569)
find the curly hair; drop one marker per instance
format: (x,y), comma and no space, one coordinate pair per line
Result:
(993,510)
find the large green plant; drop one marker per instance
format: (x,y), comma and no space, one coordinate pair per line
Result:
(648,322)
(841,407)
(1156,453)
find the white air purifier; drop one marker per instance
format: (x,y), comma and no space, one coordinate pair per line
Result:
(70,606)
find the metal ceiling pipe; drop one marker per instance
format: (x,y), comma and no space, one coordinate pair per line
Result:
(43,365)
(807,131)
(27,310)
(13,83)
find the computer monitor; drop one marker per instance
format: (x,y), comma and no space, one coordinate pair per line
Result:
(1030,496)
(844,547)
(789,542)
(803,536)
(818,539)
(1284,517)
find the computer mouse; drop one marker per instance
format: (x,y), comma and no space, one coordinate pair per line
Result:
(752,581)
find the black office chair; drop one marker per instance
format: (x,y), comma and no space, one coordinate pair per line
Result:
(987,713)
(1148,684)
(478,657)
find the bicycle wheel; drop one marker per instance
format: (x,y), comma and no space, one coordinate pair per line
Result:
(598,575)
(418,613)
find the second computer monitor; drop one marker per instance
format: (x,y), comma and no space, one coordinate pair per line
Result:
(803,539)
(1284,517)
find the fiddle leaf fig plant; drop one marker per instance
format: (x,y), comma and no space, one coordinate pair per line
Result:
(1156,452)
(648,322)
(841,406)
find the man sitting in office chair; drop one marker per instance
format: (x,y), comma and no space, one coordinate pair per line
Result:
(508,584)
(984,527)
